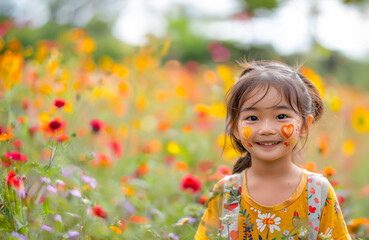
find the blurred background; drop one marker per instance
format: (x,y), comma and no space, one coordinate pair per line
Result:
(103,101)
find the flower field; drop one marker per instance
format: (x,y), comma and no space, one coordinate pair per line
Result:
(100,149)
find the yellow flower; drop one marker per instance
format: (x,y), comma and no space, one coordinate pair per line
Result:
(173,148)
(335,104)
(87,45)
(226,75)
(360,120)
(10,69)
(348,148)
(315,79)
(116,229)
(218,110)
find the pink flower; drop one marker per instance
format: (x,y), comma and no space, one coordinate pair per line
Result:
(190,182)
(59,102)
(96,125)
(15,155)
(224,170)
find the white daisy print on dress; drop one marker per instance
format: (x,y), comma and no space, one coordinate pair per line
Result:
(265,220)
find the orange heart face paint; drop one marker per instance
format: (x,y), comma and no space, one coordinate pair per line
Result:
(246,132)
(287,130)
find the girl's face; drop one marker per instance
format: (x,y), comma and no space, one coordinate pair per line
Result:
(268,127)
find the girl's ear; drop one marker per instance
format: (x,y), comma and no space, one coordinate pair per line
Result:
(235,130)
(306,127)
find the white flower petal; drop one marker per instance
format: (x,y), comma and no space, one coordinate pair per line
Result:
(262,228)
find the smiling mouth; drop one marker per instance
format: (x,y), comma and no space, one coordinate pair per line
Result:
(267,143)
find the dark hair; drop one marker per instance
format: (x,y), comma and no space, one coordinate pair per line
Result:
(299,92)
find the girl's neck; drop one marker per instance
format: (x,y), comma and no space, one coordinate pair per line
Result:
(275,169)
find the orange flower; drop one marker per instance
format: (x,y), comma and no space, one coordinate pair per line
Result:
(62,138)
(101,160)
(310,166)
(182,166)
(203,199)
(5,136)
(329,171)
(138,219)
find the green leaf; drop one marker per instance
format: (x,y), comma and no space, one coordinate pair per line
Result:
(58,226)
(46,206)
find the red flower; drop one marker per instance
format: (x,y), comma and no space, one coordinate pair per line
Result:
(99,212)
(54,125)
(203,199)
(296,215)
(59,102)
(15,155)
(96,125)
(116,148)
(12,179)
(190,182)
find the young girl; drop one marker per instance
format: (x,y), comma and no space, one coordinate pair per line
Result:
(270,110)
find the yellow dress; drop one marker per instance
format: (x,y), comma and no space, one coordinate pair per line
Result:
(285,221)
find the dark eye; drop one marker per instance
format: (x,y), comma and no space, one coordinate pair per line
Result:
(252,118)
(282,116)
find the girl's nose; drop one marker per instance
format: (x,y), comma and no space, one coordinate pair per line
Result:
(267,128)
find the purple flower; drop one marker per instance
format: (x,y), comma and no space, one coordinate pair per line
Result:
(51,189)
(173,236)
(129,207)
(75,193)
(89,180)
(46,228)
(73,234)
(19,236)
(45,180)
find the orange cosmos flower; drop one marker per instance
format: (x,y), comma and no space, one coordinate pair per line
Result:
(138,219)
(101,160)
(310,166)
(329,171)
(62,138)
